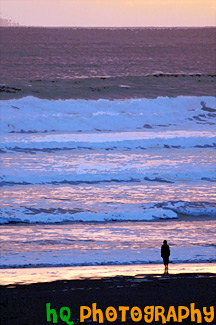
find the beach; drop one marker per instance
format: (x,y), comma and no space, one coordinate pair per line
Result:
(26,304)
(25,292)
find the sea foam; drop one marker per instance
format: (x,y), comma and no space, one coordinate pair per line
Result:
(33,115)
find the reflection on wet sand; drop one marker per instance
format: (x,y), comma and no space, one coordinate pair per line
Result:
(28,276)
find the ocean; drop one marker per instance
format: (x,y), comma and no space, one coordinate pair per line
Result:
(107,147)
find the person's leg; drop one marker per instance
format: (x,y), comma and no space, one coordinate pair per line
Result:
(167,262)
(165,267)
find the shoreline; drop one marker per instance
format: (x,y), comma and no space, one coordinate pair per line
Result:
(28,276)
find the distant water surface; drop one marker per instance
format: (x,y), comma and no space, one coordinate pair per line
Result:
(107,63)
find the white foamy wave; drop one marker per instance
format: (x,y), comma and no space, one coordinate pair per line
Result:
(146,212)
(194,209)
(109,141)
(33,115)
(24,216)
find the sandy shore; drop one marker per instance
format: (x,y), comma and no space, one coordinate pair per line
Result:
(26,304)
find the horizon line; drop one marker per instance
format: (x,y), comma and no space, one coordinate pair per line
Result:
(105,27)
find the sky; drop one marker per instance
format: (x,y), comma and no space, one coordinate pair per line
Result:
(107,13)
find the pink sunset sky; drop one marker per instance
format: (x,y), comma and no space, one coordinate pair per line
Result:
(102,13)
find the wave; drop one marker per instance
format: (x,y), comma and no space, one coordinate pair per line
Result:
(87,178)
(193,259)
(119,86)
(31,115)
(147,212)
(112,141)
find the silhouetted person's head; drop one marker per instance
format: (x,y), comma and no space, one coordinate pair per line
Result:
(165,242)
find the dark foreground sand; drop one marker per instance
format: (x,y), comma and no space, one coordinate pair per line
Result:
(26,304)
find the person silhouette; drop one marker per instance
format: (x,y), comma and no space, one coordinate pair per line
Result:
(165,253)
